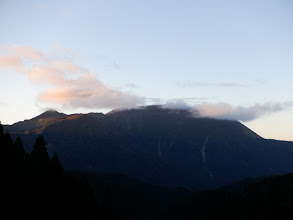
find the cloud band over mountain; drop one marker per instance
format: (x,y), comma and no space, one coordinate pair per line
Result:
(241,113)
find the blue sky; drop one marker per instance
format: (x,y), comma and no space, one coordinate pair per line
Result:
(227,59)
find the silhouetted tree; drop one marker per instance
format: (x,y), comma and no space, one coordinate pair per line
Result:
(40,151)
(56,166)
(19,149)
(8,144)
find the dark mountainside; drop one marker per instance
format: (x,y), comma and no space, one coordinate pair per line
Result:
(158,146)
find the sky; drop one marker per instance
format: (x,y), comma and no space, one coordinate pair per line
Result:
(225,59)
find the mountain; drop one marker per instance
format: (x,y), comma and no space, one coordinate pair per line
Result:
(159,146)
(38,124)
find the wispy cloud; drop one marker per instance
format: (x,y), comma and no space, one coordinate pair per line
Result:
(241,113)
(25,52)
(190,101)
(204,84)
(73,85)
(43,5)
(65,13)
(60,53)
(132,85)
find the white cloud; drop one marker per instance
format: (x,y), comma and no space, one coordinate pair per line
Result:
(241,113)
(176,104)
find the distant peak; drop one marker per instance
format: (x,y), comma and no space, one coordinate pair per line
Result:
(51,114)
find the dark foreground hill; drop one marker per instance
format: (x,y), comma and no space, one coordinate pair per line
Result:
(269,198)
(159,146)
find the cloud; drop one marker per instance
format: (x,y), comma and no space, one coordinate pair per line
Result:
(190,101)
(87,91)
(116,66)
(61,53)
(13,62)
(16,55)
(204,84)
(25,52)
(111,65)
(65,13)
(177,104)
(132,85)
(151,101)
(241,113)
(71,85)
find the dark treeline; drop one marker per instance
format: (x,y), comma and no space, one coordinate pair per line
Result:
(35,185)
(269,198)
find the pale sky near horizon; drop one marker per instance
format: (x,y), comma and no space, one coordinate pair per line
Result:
(227,59)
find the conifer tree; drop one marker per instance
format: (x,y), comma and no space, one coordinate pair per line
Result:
(40,151)
(8,143)
(19,148)
(56,166)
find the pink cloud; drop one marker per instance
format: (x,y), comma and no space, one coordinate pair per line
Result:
(214,110)
(87,91)
(13,62)
(68,67)
(42,74)
(26,52)
(71,84)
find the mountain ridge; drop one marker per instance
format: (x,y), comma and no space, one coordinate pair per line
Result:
(159,146)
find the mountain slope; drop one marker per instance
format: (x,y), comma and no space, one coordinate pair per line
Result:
(159,146)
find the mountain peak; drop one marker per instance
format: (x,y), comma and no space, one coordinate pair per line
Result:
(50,114)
